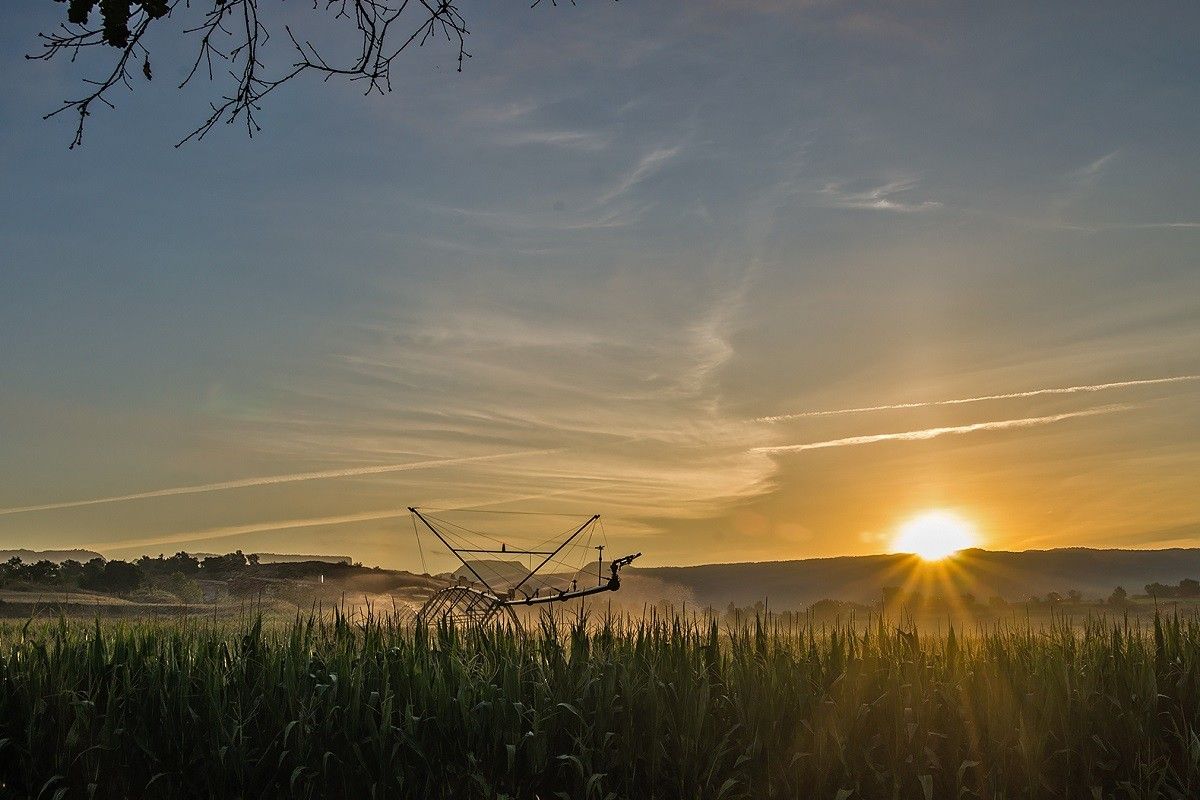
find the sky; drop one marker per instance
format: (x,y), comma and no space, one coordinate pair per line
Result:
(753,280)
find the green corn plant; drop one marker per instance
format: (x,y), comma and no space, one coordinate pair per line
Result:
(365,705)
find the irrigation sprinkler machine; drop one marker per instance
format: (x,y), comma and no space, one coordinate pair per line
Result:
(496,578)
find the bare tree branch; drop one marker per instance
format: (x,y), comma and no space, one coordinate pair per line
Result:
(230,38)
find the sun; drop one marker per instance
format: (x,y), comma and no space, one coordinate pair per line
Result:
(934,535)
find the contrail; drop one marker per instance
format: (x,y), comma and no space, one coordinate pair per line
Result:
(254,527)
(272,479)
(933,433)
(227,531)
(1095,387)
(1162,225)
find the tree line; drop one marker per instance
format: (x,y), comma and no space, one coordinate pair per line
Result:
(114,575)
(1185,588)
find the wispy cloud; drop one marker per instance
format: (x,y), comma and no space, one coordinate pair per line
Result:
(1152,225)
(1098,227)
(228,531)
(876,198)
(506,112)
(269,480)
(614,205)
(629,386)
(933,433)
(646,166)
(1088,173)
(1094,387)
(566,139)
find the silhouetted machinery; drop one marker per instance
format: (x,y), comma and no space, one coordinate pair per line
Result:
(492,594)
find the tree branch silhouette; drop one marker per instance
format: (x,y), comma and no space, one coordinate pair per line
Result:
(230,36)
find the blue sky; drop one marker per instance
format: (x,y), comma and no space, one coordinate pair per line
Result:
(595,259)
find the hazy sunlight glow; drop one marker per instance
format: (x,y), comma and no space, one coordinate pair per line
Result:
(934,535)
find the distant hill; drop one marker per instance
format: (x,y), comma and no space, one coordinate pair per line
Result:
(497,572)
(58,556)
(287,558)
(1014,576)
(291,558)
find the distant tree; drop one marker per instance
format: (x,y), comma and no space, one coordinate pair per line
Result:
(43,572)
(11,569)
(1161,591)
(92,574)
(121,576)
(1119,597)
(70,571)
(152,566)
(112,576)
(230,563)
(1075,596)
(1189,587)
(230,41)
(39,572)
(184,564)
(1053,597)
(997,602)
(162,566)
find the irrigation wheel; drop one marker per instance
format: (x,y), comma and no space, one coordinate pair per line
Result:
(464,605)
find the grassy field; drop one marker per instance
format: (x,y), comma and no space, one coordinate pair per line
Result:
(335,707)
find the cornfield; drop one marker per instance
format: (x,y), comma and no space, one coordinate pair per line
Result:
(369,707)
